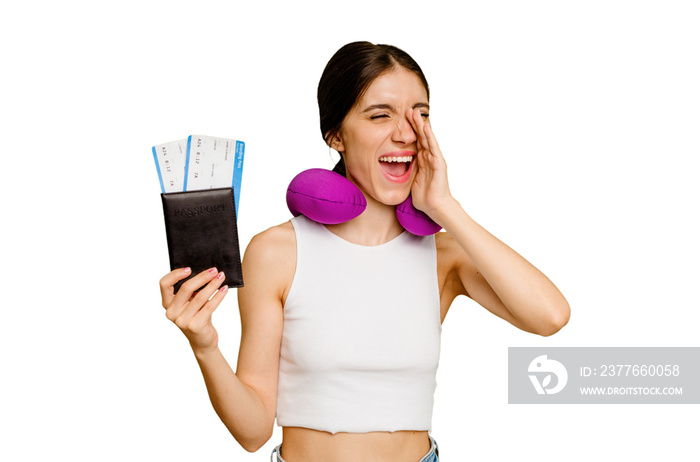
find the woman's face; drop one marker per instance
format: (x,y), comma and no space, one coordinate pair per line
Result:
(377,139)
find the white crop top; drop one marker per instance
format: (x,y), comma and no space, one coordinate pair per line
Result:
(361,336)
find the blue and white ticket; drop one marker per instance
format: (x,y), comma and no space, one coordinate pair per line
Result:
(214,163)
(200,162)
(170,163)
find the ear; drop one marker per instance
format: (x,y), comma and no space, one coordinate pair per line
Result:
(336,142)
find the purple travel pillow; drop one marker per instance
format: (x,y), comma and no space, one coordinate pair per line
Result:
(329,198)
(415,221)
(325,197)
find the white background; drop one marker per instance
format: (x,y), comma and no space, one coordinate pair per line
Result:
(570,130)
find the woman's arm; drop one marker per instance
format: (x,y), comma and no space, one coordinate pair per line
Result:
(245,400)
(490,272)
(498,278)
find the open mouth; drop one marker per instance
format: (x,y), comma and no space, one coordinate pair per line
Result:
(396,168)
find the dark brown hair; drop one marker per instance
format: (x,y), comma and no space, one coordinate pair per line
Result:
(348,74)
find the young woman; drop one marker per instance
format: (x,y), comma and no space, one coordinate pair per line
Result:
(341,323)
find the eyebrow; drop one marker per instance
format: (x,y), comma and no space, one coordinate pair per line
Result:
(392,108)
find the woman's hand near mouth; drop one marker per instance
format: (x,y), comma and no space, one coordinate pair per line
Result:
(430,191)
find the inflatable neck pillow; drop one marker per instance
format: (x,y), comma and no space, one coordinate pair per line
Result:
(329,198)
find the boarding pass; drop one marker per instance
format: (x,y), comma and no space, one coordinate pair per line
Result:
(200,162)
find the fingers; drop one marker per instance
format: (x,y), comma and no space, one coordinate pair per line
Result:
(175,303)
(203,317)
(195,302)
(432,141)
(424,132)
(417,123)
(200,299)
(168,281)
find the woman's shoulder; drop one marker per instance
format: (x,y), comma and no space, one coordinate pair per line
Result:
(270,260)
(280,234)
(276,240)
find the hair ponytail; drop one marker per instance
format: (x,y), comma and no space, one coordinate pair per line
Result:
(340,167)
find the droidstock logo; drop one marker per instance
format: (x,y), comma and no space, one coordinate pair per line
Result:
(541,366)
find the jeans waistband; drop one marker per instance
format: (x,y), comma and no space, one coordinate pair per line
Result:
(433,454)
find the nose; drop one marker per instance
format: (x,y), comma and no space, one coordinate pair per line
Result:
(404,133)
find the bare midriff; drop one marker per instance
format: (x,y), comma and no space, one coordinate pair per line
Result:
(306,445)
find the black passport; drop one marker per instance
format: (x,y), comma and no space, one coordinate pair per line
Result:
(202,233)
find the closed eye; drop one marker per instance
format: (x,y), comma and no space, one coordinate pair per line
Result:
(382,116)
